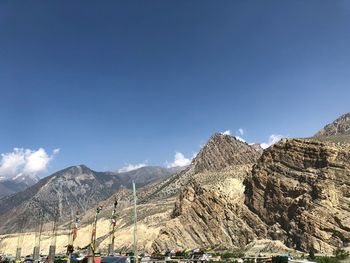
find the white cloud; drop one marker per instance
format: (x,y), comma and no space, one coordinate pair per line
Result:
(129,167)
(239,134)
(25,161)
(179,160)
(240,138)
(227,132)
(272,140)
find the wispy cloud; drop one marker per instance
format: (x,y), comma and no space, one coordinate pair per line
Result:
(227,132)
(240,138)
(130,167)
(25,161)
(239,135)
(272,140)
(179,160)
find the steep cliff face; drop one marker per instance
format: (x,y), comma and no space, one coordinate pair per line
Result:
(210,212)
(301,190)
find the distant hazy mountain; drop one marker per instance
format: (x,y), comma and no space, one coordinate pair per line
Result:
(16,184)
(8,187)
(74,189)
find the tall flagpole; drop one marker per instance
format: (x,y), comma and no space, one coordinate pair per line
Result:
(20,240)
(135,222)
(112,232)
(52,249)
(72,236)
(92,247)
(39,229)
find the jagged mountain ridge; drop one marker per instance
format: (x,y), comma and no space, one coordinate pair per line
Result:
(222,151)
(297,192)
(158,199)
(219,152)
(341,126)
(74,189)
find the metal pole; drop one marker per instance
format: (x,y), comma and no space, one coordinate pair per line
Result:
(135,222)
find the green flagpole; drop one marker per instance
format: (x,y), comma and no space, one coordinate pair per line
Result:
(135,223)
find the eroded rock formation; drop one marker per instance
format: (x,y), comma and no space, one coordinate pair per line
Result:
(301,190)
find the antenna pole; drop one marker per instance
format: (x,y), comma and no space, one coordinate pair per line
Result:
(135,222)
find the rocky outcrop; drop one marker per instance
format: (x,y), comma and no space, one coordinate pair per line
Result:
(340,126)
(210,212)
(301,190)
(222,151)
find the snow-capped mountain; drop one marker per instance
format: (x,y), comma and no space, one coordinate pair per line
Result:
(12,185)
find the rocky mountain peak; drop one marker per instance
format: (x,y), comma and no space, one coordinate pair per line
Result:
(222,151)
(341,126)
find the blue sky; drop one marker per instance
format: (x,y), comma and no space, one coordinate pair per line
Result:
(125,82)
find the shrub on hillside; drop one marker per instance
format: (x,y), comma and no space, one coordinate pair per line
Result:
(279,259)
(326,259)
(340,254)
(237,253)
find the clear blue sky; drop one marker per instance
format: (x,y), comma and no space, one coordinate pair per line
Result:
(116,82)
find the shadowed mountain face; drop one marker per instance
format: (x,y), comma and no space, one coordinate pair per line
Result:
(75,189)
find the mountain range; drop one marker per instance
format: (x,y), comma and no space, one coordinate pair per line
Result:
(16,184)
(70,191)
(295,195)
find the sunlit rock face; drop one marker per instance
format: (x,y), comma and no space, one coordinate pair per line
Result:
(340,126)
(300,189)
(210,209)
